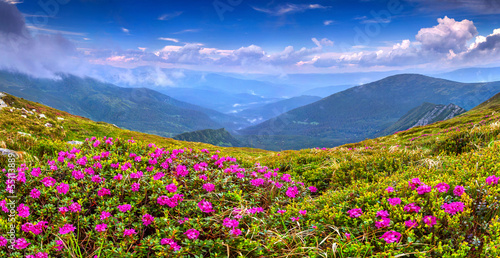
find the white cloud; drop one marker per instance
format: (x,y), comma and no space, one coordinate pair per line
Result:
(328,22)
(169,39)
(51,31)
(289,9)
(125,30)
(13,1)
(169,16)
(447,35)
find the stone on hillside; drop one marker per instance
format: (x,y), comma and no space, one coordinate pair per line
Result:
(24,116)
(24,134)
(42,116)
(75,142)
(6,152)
(48,125)
(60,118)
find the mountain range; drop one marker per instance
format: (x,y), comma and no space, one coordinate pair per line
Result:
(363,111)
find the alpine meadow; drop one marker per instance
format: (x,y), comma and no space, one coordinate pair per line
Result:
(233,128)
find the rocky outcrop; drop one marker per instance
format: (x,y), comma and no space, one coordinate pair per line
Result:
(425,114)
(439,113)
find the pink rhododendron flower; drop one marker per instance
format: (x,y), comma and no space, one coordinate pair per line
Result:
(209,187)
(62,188)
(158,176)
(385,222)
(492,180)
(63,210)
(67,228)
(391,236)
(354,213)
(135,187)
(124,208)
(171,243)
(181,171)
(103,192)
(414,183)
(118,177)
(171,202)
(78,174)
(294,218)
(453,208)
(281,211)
(205,206)
(423,189)
(303,212)
(129,232)
(459,190)
(412,207)
(442,187)
(75,207)
(389,189)
(347,236)
(101,227)
(105,215)
(313,189)
(23,211)
(184,220)
(383,214)
(147,219)
(21,243)
(203,177)
(36,172)
(60,245)
(35,194)
(192,233)
(3,241)
(394,201)
(430,220)
(48,181)
(235,231)
(292,192)
(411,223)
(171,188)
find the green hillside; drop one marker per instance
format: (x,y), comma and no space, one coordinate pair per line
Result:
(363,111)
(219,137)
(430,191)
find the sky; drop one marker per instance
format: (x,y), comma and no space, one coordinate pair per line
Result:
(43,38)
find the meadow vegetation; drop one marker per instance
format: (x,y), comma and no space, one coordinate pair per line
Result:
(430,191)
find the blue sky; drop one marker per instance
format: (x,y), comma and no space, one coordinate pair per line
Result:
(257,36)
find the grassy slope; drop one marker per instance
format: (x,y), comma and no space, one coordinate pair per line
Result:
(460,151)
(73,128)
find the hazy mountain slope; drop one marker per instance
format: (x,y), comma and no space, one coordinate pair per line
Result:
(475,74)
(425,114)
(365,110)
(259,114)
(137,109)
(219,137)
(326,91)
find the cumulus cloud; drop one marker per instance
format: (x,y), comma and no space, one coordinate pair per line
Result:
(40,55)
(447,35)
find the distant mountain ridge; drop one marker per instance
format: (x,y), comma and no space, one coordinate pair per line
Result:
(363,111)
(137,109)
(425,114)
(219,137)
(271,110)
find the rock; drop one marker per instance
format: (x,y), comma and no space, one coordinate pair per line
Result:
(75,142)
(42,116)
(24,116)
(60,118)
(6,152)
(48,125)
(24,134)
